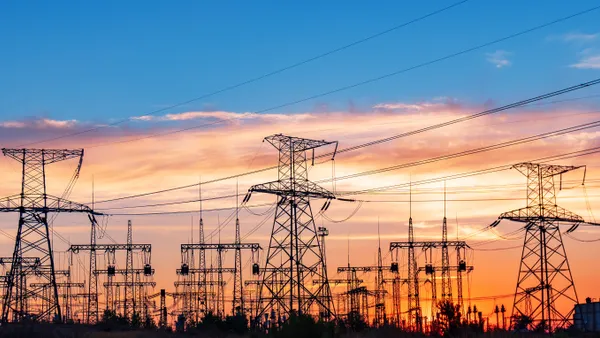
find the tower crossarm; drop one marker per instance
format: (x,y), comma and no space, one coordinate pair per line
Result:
(143,283)
(27,261)
(220,246)
(110,247)
(336,281)
(361,268)
(59,284)
(301,188)
(468,268)
(195,283)
(280,141)
(208,270)
(123,271)
(546,170)
(43,156)
(429,244)
(35,203)
(547,212)
(258,282)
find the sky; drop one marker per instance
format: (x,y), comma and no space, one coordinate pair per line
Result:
(68,68)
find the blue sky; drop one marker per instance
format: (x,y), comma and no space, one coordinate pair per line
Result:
(98,61)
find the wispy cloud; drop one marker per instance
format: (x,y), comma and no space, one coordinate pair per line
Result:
(42,123)
(499,58)
(579,37)
(575,37)
(588,62)
(220,115)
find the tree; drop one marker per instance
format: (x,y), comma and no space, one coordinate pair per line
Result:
(136,320)
(237,323)
(521,322)
(449,318)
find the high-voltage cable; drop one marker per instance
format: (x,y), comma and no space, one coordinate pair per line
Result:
(269,74)
(379,141)
(358,84)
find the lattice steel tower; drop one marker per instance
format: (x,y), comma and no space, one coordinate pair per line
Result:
(238,287)
(33,236)
(414,306)
(446,279)
(544,274)
(129,307)
(295,255)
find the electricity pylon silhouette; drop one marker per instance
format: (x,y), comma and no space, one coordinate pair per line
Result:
(446,279)
(33,236)
(414,306)
(544,278)
(295,255)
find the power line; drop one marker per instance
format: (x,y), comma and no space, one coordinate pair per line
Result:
(578,153)
(476,115)
(379,141)
(473,151)
(266,75)
(173,203)
(583,152)
(358,84)
(411,164)
(187,211)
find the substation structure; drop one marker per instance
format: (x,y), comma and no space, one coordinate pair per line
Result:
(134,283)
(414,267)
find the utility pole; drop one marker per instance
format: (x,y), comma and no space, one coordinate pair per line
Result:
(380,315)
(238,288)
(294,246)
(544,277)
(33,235)
(414,306)
(446,281)
(203,299)
(129,290)
(323,232)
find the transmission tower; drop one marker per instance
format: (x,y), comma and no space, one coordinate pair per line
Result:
(33,236)
(294,247)
(544,274)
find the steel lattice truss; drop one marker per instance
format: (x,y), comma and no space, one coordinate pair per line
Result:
(294,246)
(415,311)
(129,272)
(32,239)
(544,284)
(187,252)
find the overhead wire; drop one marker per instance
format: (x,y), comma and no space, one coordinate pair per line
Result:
(496,169)
(344,88)
(496,146)
(379,141)
(266,75)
